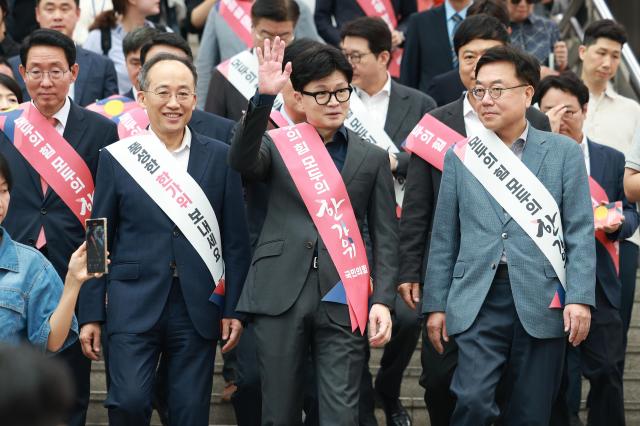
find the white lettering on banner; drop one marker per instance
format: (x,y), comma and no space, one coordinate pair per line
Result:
(176,193)
(517,190)
(238,13)
(130,124)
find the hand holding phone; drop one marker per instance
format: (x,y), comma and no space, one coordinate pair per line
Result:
(96,238)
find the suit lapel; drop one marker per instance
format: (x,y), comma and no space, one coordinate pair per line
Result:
(596,166)
(356,153)
(398,109)
(198,158)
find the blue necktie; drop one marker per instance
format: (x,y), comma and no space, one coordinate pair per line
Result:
(457,19)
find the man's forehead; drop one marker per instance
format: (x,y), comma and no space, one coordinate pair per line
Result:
(46,54)
(608,44)
(170,73)
(45,3)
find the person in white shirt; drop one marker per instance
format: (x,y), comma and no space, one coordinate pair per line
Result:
(89,9)
(612,120)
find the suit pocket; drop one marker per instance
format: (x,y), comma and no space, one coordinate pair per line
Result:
(268,249)
(458,270)
(549,272)
(124,271)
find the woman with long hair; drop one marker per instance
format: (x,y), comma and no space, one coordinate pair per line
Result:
(10,93)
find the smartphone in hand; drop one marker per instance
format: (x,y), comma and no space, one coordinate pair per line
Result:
(96,238)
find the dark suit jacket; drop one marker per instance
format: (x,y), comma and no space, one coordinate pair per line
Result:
(607,168)
(427,50)
(406,107)
(207,124)
(285,249)
(421,194)
(87,132)
(96,80)
(223,99)
(446,88)
(144,244)
(344,11)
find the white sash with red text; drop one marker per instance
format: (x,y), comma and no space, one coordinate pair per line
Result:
(384,9)
(55,160)
(519,193)
(176,193)
(325,195)
(237,14)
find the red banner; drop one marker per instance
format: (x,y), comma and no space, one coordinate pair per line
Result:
(130,117)
(599,196)
(325,196)
(237,14)
(51,156)
(384,10)
(431,139)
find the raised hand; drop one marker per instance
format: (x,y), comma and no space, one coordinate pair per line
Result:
(271,77)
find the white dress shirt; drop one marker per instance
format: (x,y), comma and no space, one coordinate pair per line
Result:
(182,153)
(377,105)
(585,151)
(62,116)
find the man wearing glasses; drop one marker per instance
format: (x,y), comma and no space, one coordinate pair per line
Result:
(507,286)
(40,216)
(292,273)
(170,279)
(269,19)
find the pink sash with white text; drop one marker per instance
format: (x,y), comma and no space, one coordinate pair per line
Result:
(51,156)
(383,9)
(237,14)
(431,139)
(130,117)
(598,195)
(325,196)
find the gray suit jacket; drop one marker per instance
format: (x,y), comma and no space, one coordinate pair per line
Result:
(218,43)
(469,236)
(407,106)
(285,249)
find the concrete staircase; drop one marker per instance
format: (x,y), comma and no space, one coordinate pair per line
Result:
(412,393)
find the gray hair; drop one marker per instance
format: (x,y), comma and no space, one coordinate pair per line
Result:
(143,77)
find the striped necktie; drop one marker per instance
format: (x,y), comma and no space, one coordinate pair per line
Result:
(457,19)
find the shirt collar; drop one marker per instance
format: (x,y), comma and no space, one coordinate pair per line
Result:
(525,133)
(585,146)
(450,11)
(186,140)
(8,252)
(386,89)
(467,109)
(341,135)
(135,93)
(63,113)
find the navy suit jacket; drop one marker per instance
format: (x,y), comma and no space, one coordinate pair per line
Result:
(427,50)
(96,80)
(446,88)
(344,11)
(607,168)
(145,244)
(87,132)
(207,124)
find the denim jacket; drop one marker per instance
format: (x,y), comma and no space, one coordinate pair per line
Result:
(30,290)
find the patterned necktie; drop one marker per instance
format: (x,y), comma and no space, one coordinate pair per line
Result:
(517,148)
(457,19)
(42,240)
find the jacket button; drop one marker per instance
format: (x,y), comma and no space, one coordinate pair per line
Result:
(176,234)
(43,211)
(172,264)
(308,245)
(493,266)
(504,236)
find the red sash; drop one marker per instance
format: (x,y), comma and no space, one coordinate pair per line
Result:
(237,14)
(598,195)
(130,117)
(325,196)
(384,9)
(431,139)
(51,156)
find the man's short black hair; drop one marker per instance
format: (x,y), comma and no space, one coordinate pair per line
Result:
(143,77)
(496,8)
(166,39)
(318,63)
(275,10)
(527,67)
(374,30)
(137,38)
(604,28)
(297,48)
(47,37)
(77,2)
(567,82)
(479,27)
(5,172)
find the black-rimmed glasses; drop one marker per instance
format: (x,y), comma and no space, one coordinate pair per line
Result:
(323,97)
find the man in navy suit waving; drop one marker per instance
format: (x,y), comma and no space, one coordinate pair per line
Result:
(565,98)
(160,280)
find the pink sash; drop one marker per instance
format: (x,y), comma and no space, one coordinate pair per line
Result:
(237,14)
(384,9)
(51,156)
(325,196)
(130,117)
(431,139)
(598,195)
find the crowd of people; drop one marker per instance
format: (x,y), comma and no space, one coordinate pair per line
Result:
(318,180)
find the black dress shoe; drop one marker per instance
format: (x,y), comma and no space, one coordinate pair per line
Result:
(395,413)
